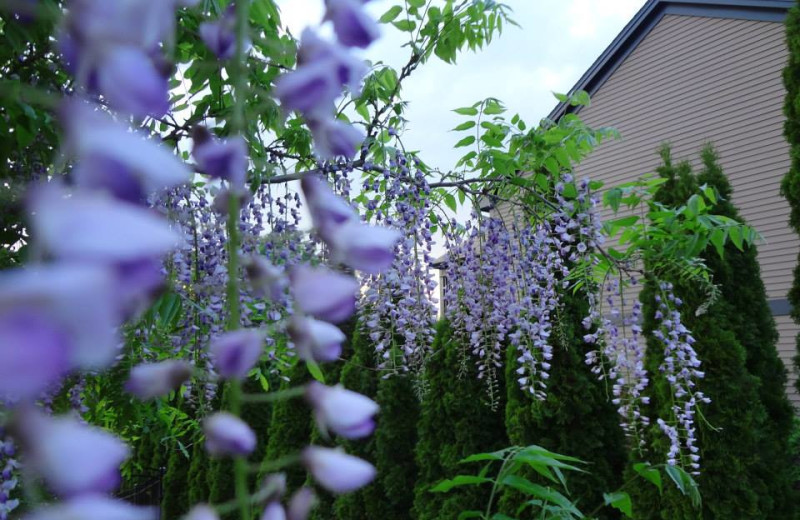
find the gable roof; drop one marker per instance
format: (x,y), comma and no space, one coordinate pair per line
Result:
(652,13)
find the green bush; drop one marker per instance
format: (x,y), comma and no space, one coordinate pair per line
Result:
(729,428)
(454,423)
(359,374)
(576,418)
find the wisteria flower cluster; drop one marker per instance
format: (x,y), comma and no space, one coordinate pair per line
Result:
(506,280)
(681,367)
(620,354)
(398,307)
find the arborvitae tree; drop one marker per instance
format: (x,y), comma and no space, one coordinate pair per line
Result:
(290,427)
(359,374)
(790,186)
(219,473)
(175,501)
(332,373)
(738,275)
(728,429)
(454,423)
(197,478)
(577,417)
(395,441)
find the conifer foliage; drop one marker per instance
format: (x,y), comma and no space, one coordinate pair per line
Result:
(455,422)
(734,431)
(576,398)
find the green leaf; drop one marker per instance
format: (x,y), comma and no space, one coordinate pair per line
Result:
(405,25)
(466,125)
(416,3)
(619,500)
(361,109)
(461,480)
(493,108)
(685,483)
(450,200)
(391,14)
(313,369)
(648,473)
(466,111)
(735,234)
(466,141)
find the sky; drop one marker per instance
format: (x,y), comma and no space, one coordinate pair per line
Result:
(557,42)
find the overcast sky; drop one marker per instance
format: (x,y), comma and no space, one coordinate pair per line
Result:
(558,41)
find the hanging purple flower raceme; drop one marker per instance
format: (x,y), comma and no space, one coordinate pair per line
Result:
(620,355)
(398,307)
(681,368)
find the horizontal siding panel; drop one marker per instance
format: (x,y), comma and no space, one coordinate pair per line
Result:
(787,332)
(704,79)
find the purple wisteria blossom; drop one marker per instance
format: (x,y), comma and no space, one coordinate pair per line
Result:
(681,368)
(202,512)
(226,434)
(336,471)
(342,411)
(44,312)
(220,35)
(221,159)
(115,159)
(352,25)
(151,380)
(620,355)
(399,307)
(273,511)
(94,507)
(110,54)
(73,458)
(315,340)
(301,504)
(235,353)
(322,293)
(8,475)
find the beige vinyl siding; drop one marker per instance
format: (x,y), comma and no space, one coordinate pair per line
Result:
(693,80)
(786,348)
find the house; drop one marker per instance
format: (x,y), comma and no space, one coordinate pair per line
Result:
(690,72)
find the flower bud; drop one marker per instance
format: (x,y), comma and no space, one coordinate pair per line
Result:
(367,248)
(328,210)
(94,507)
(266,279)
(352,25)
(315,340)
(150,380)
(202,512)
(301,504)
(337,471)
(73,458)
(274,511)
(342,411)
(324,294)
(221,159)
(236,352)
(226,434)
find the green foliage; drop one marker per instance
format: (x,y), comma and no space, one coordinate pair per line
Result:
(731,428)
(175,502)
(738,275)
(360,374)
(395,440)
(506,472)
(575,399)
(454,423)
